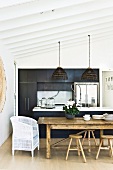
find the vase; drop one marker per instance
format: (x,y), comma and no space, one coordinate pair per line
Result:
(69,116)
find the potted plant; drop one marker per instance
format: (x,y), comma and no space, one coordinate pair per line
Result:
(70,109)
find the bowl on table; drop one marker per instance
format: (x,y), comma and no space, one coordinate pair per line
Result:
(86,117)
(97,116)
(108,117)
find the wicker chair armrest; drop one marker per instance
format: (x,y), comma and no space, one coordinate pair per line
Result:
(28,120)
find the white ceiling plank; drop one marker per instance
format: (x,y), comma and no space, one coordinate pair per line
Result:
(97,11)
(110,32)
(64,40)
(37,7)
(71,38)
(31,27)
(82,20)
(59,30)
(46,50)
(10,3)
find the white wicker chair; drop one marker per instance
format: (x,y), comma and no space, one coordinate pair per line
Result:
(25,134)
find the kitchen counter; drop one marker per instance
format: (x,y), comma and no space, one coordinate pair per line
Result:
(60,108)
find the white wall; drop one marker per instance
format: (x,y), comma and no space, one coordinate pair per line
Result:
(8,111)
(107,88)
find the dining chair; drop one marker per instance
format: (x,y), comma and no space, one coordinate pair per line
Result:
(25,134)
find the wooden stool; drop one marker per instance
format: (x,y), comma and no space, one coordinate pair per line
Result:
(89,137)
(78,147)
(109,147)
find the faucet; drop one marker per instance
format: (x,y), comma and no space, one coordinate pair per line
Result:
(80,104)
(80,96)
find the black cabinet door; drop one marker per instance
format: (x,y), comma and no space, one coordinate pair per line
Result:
(22,99)
(42,75)
(27,98)
(32,75)
(32,96)
(27,75)
(22,75)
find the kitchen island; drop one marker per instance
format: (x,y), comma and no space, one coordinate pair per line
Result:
(81,109)
(58,112)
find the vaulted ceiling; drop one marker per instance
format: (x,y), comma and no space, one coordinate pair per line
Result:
(30,27)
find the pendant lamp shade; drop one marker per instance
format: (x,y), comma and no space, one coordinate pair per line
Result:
(59,73)
(89,73)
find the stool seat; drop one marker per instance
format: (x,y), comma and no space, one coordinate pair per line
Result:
(106,136)
(109,146)
(78,145)
(75,136)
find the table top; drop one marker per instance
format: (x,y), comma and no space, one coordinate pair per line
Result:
(78,121)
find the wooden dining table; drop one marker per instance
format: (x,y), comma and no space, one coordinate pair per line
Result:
(77,123)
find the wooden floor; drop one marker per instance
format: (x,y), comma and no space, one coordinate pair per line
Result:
(23,160)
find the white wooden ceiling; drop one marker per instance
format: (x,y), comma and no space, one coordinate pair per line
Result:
(30,27)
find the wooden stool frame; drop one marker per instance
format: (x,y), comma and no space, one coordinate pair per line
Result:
(89,138)
(78,147)
(109,147)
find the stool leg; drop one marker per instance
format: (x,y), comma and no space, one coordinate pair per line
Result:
(68,148)
(94,138)
(78,148)
(101,142)
(82,150)
(84,137)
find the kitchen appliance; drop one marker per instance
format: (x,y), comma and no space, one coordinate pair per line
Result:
(43,102)
(86,94)
(50,103)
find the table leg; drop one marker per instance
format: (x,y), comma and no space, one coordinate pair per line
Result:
(48,140)
(101,133)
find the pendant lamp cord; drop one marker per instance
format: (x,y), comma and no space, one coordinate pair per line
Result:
(89,51)
(59,53)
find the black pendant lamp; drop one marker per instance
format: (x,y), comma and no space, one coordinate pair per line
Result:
(89,73)
(59,73)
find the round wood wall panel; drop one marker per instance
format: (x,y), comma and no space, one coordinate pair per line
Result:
(2,86)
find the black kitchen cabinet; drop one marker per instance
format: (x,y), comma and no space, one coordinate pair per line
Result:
(27,75)
(54,86)
(42,75)
(45,75)
(32,80)
(70,74)
(27,98)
